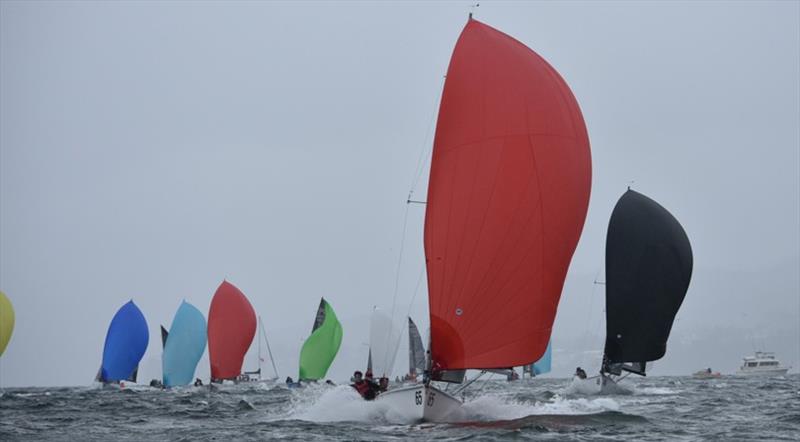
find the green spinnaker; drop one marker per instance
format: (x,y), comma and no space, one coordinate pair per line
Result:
(321,347)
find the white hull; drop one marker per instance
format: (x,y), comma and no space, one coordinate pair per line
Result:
(780,371)
(420,403)
(597,385)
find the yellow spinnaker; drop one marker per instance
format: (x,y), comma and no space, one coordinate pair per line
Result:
(6,321)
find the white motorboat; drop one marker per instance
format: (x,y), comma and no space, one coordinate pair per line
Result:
(762,364)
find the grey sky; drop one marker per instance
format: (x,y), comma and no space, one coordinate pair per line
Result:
(149,150)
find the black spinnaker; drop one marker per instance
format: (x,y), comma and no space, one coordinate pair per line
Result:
(648,269)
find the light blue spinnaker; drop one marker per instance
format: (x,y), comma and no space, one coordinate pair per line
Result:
(542,366)
(185,345)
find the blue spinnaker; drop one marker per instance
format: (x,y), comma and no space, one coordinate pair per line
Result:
(126,342)
(542,366)
(185,345)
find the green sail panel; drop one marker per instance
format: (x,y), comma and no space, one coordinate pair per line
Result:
(321,347)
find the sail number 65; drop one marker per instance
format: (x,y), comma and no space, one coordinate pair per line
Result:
(418,398)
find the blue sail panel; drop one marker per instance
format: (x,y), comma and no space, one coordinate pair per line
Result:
(126,342)
(185,345)
(542,366)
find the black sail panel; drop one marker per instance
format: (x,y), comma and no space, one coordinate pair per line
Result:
(416,352)
(164,335)
(648,269)
(320,318)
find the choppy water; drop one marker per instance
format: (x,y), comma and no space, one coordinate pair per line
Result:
(664,408)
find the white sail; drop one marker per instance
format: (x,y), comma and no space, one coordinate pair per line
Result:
(384,339)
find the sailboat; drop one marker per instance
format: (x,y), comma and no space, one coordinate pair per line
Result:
(184,345)
(319,350)
(231,328)
(6,321)
(256,375)
(507,199)
(384,340)
(126,343)
(416,353)
(648,270)
(541,366)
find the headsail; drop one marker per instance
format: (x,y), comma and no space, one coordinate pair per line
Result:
(231,328)
(416,352)
(126,342)
(648,269)
(184,346)
(6,321)
(321,347)
(383,339)
(509,189)
(164,335)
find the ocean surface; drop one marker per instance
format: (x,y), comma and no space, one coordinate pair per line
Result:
(657,408)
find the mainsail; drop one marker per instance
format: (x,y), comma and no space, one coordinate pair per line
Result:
(416,352)
(126,342)
(321,347)
(6,321)
(509,189)
(184,346)
(648,269)
(231,328)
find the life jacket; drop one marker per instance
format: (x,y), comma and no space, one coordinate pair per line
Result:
(362,387)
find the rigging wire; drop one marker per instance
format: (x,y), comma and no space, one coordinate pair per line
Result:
(421,162)
(588,322)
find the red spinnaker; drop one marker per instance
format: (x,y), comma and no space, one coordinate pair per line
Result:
(507,199)
(231,328)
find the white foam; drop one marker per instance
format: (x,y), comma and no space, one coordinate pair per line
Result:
(493,407)
(341,403)
(655,391)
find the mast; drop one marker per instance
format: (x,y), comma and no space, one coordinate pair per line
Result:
(259,348)
(269,350)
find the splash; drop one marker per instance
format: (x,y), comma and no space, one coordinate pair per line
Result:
(592,386)
(343,404)
(336,404)
(495,407)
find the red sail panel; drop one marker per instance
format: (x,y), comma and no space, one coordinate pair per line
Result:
(507,199)
(231,328)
